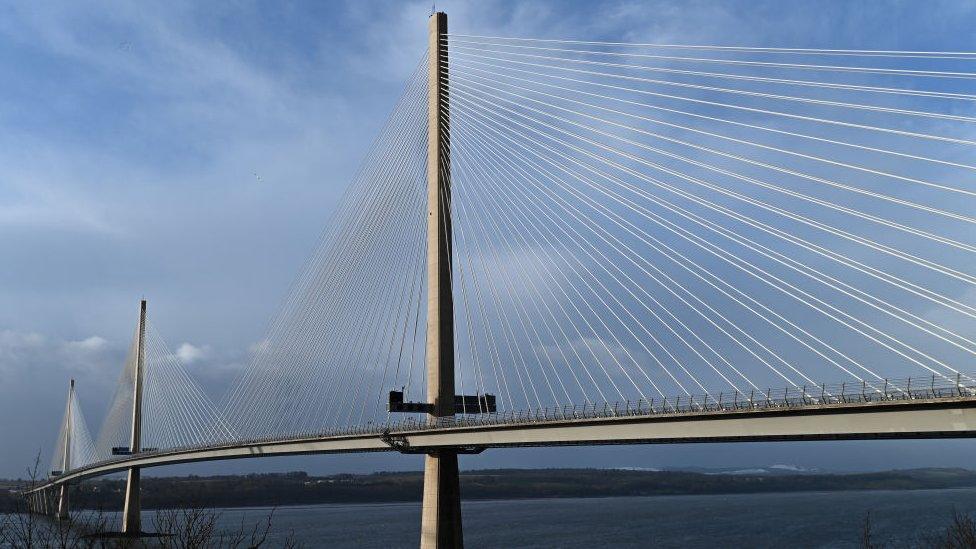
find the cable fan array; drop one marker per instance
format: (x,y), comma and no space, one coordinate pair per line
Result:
(353,326)
(73,438)
(631,224)
(634,225)
(175,411)
(630,221)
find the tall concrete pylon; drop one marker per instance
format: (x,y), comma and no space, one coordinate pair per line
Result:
(63,503)
(132,512)
(441,515)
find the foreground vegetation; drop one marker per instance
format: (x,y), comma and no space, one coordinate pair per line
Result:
(172,529)
(187,527)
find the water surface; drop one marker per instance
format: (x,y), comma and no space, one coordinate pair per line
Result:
(808,519)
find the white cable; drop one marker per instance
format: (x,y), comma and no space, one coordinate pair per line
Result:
(891,131)
(629,253)
(747,93)
(665,246)
(589,326)
(767,276)
(552,241)
(747,49)
(699,131)
(700,116)
(786,81)
(947,271)
(827,68)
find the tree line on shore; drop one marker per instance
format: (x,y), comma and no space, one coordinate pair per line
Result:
(299,488)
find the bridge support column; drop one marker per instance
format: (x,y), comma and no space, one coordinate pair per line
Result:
(64,511)
(132,512)
(63,504)
(441,515)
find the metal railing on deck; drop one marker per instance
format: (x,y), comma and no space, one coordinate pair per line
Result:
(912,388)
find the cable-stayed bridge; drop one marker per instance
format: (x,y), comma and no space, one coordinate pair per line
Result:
(565,242)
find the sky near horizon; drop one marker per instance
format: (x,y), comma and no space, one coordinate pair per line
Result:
(191,153)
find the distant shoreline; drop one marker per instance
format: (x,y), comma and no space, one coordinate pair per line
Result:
(301,489)
(466,499)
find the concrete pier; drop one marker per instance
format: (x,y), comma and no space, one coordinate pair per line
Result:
(63,503)
(441,515)
(132,512)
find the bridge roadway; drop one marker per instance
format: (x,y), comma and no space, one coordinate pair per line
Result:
(937,415)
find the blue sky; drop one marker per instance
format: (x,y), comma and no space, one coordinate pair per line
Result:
(191,153)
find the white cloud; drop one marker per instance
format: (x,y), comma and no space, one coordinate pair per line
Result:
(189,353)
(11,340)
(15,346)
(24,354)
(93,343)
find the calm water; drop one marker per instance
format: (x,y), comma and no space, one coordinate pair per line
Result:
(811,519)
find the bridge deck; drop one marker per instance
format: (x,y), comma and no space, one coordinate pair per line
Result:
(940,415)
